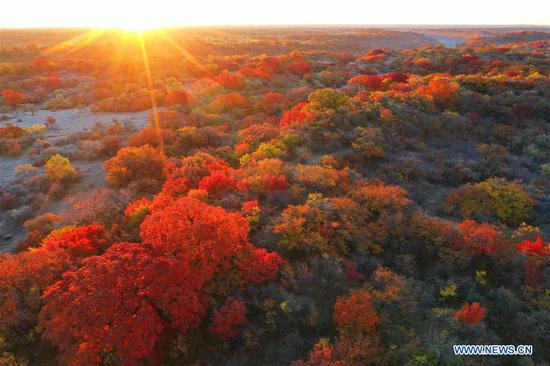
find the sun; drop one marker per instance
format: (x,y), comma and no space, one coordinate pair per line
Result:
(132,28)
(133,24)
(135,29)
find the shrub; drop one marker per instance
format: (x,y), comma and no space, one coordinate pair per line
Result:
(60,168)
(133,164)
(137,210)
(369,142)
(496,197)
(228,102)
(327,98)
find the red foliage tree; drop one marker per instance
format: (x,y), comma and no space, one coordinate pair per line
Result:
(230,81)
(272,101)
(299,68)
(176,98)
(42,63)
(275,183)
(186,175)
(272,63)
(193,228)
(218,181)
(520,111)
(261,265)
(295,116)
(242,148)
(397,77)
(351,271)
(321,355)
(262,72)
(537,247)
(12,97)
(536,252)
(470,313)
(227,320)
(23,277)
(114,302)
(370,82)
(77,242)
(50,83)
(249,206)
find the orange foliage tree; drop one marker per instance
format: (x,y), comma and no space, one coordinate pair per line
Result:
(356,344)
(227,102)
(210,237)
(441,91)
(354,313)
(176,98)
(133,164)
(479,238)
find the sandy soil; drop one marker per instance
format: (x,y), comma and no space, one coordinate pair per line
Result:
(67,122)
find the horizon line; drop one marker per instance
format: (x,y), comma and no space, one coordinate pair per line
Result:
(282,25)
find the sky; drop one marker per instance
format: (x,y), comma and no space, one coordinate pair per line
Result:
(144,14)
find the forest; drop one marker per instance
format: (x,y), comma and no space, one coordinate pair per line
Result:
(316,196)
